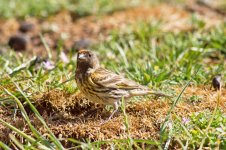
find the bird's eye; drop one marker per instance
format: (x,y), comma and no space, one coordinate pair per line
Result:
(89,55)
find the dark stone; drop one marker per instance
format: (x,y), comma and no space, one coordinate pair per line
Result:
(216,82)
(81,44)
(18,42)
(26,27)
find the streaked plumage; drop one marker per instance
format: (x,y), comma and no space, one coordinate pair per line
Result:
(103,86)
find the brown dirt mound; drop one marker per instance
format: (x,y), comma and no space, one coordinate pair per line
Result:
(71,115)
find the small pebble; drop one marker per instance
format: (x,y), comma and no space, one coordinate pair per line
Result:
(18,42)
(216,82)
(26,27)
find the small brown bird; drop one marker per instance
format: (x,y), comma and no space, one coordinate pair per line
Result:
(216,82)
(103,86)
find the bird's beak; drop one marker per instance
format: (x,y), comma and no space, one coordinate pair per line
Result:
(82,56)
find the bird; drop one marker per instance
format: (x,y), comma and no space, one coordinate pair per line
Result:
(103,86)
(216,82)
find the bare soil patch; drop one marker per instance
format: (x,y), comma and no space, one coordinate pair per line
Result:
(70,115)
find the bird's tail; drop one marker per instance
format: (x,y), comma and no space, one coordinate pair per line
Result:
(147,92)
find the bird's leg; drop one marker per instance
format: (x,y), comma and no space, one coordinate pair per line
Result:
(116,106)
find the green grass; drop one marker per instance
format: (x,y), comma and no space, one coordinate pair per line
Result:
(24,8)
(45,8)
(79,8)
(164,58)
(143,53)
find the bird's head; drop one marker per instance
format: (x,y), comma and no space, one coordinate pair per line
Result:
(87,59)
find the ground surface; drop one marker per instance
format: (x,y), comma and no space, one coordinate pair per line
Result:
(69,115)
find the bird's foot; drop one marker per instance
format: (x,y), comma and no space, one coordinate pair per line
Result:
(109,118)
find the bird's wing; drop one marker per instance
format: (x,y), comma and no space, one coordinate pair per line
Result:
(109,79)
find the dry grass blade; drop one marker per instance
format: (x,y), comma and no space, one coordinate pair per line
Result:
(16,141)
